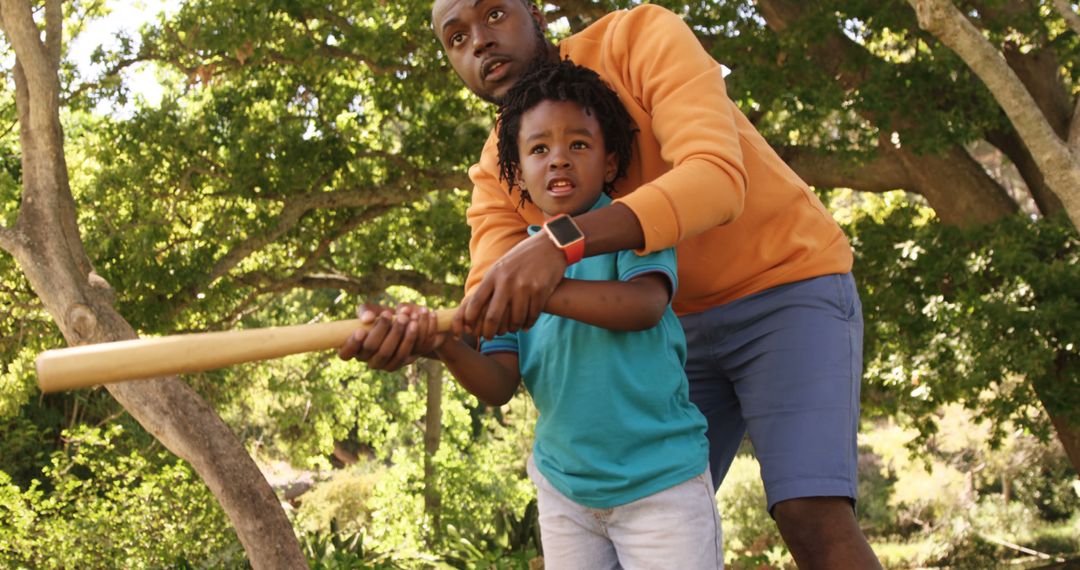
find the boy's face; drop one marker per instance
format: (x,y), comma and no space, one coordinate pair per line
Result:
(490,43)
(563,162)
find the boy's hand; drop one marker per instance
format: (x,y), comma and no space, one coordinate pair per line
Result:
(394,339)
(514,291)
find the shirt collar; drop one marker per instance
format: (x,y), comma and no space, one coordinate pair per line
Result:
(602,201)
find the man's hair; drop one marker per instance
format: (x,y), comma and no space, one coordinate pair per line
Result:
(564,81)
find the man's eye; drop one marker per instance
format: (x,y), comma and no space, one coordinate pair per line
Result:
(456,39)
(495,15)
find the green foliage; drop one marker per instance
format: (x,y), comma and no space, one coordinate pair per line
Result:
(103,504)
(955,499)
(341,550)
(987,316)
(843,73)
(750,536)
(338,506)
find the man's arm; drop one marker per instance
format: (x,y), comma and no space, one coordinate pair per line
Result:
(515,290)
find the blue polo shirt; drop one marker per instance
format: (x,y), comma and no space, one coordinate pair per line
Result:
(616,423)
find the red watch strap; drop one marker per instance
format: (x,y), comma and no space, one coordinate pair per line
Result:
(574,252)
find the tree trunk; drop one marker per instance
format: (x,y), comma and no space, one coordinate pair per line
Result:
(433,376)
(46,244)
(1069,436)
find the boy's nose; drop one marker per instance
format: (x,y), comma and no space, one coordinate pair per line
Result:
(558,160)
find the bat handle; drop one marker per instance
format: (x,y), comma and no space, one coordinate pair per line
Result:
(92,364)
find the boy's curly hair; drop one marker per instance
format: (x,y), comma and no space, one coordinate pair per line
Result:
(564,81)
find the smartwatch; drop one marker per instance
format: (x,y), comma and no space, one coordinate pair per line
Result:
(567,236)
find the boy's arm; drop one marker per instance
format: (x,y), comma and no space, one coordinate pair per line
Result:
(493,378)
(633,305)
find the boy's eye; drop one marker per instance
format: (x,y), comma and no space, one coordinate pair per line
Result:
(579,145)
(538,149)
(495,15)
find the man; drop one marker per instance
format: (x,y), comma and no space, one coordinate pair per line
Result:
(765,296)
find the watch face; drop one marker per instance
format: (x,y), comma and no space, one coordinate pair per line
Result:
(563,230)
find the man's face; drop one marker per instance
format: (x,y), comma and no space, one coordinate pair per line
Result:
(491,43)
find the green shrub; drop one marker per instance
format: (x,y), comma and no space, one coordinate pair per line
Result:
(751,538)
(339,501)
(101,505)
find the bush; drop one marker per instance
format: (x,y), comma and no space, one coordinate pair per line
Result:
(103,506)
(750,535)
(339,501)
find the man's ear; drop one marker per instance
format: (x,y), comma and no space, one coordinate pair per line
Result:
(611,167)
(537,15)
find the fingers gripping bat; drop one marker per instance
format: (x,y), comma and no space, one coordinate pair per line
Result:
(88,365)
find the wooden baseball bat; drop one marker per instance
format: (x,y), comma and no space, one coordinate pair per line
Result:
(88,365)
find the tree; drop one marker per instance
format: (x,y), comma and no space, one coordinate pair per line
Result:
(1054,155)
(45,241)
(309,154)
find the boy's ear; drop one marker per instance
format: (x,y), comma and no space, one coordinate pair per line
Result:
(519,181)
(611,167)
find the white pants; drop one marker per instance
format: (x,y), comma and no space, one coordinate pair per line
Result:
(675,528)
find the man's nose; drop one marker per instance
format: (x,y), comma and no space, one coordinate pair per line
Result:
(481,41)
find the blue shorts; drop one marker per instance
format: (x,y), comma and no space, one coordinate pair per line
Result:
(785,365)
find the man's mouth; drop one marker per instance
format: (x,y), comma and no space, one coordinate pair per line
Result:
(494,69)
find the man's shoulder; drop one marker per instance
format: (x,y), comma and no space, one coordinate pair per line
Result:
(631,21)
(641,14)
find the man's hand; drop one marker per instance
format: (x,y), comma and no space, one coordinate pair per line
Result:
(394,338)
(514,291)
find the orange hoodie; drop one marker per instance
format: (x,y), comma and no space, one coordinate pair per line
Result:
(702,178)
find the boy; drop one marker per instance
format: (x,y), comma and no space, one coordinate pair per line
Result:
(620,459)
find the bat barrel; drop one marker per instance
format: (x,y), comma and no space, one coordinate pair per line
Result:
(82,366)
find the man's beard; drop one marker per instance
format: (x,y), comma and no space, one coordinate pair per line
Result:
(543,53)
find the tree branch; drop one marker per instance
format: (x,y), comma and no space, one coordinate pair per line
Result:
(843,59)
(823,170)
(580,13)
(290,215)
(370,284)
(22,31)
(1064,7)
(952,28)
(1074,129)
(367,286)
(1040,72)
(1008,142)
(54,31)
(9,241)
(115,69)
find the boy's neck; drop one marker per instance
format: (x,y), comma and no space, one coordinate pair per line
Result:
(598,202)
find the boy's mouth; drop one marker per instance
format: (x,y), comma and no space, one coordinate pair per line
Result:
(560,186)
